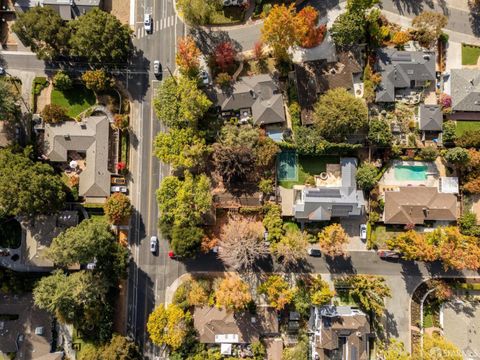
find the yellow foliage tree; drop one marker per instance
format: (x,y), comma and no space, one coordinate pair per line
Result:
(332,240)
(168,325)
(197,295)
(401,38)
(232,293)
(436,347)
(278,292)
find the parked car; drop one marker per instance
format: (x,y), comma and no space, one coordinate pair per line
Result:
(204,77)
(2,71)
(119,181)
(117,188)
(154,244)
(388,254)
(147,23)
(363,232)
(314,252)
(156,68)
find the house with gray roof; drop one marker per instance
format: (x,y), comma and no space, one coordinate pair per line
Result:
(430,119)
(403,70)
(465,90)
(90,138)
(256,97)
(321,203)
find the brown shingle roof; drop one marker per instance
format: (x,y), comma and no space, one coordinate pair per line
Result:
(414,205)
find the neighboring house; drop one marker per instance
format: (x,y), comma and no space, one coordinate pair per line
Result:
(313,78)
(339,333)
(67,9)
(417,204)
(219,326)
(403,70)
(253,97)
(89,139)
(321,203)
(465,90)
(430,118)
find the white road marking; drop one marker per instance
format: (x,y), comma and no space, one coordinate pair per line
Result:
(156,25)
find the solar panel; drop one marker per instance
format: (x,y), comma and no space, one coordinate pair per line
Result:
(324,193)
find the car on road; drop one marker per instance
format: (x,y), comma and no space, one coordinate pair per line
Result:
(204,77)
(156,68)
(2,71)
(314,252)
(388,255)
(363,232)
(119,181)
(148,23)
(154,244)
(117,188)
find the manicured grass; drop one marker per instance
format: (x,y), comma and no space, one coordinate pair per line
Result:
(124,147)
(228,15)
(381,234)
(75,100)
(464,126)
(470,54)
(310,166)
(10,233)
(290,225)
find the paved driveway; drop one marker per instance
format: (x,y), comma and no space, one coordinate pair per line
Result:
(461,325)
(352,227)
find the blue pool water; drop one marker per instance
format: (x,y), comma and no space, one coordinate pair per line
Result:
(411,172)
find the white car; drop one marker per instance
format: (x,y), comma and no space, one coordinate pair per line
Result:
(153,244)
(204,78)
(363,232)
(148,23)
(117,188)
(156,68)
(2,71)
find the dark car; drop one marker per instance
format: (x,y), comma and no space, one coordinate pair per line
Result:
(314,252)
(388,255)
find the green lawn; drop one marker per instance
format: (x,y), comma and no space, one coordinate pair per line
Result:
(228,15)
(470,54)
(309,166)
(381,234)
(10,233)
(75,100)
(464,126)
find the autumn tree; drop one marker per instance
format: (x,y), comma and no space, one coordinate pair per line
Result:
(436,347)
(370,291)
(332,240)
(338,114)
(443,290)
(428,26)
(117,207)
(168,325)
(320,292)
(224,55)
(314,35)
(278,292)
(457,251)
(291,249)
(272,221)
(393,350)
(457,156)
(282,29)
(412,246)
(188,56)
(400,38)
(241,243)
(181,148)
(53,114)
(120,348)
(232,293)
(180,103)
(97,80)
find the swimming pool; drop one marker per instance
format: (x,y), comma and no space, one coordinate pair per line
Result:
(411,172)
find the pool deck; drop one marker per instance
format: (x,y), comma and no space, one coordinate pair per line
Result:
(389,182)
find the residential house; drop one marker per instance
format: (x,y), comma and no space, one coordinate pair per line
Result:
(430,119)
(338,198)
(219,326)
(339,333)
(255,98)
(313,78)
(403,72)
(67,9)
(88,140)
(417,204)
(465,92)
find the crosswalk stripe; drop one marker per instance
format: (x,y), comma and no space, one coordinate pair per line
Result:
(138,32)
(156,25)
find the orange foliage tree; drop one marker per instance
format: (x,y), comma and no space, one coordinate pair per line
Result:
(187,57)
(314,34)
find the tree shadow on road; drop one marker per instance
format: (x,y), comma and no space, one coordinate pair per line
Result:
(412,275)
(391,328)
(340,265)
(302,266)
(474,18)
(137,75)
(208,40)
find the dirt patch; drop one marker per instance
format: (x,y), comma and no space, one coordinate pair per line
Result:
(44,98)
(120,320)
(119,8)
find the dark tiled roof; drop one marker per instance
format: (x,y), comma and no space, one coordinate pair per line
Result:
(431,117)
(465,89)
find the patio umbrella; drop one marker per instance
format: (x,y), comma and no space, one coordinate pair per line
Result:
(73,164)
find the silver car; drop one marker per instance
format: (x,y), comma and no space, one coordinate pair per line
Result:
(147,23)
(153,244)
(156,68)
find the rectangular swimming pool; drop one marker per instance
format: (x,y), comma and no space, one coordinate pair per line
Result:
(411,172)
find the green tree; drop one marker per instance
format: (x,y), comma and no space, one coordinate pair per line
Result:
(338,114)
(380,133)
(272,221)
(8,101)
(370,291)
(299,351)
(429,153)
(168,326)
(181,148)
(278,292)
(53,113)
(42,29)
(349,29)
(120,348)
(468,223)
(62,81)
(448,133)
(117,207)
(186,240)
(361,5)
(100,37)
(199,12)
(428,26)
(28,188)
(266,186)
(97,80)
(367,176)
(457,156)
(180,103)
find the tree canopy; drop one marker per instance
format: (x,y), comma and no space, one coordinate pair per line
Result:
(380,133)
(168,326)
(367,176)
(100,37)
(232,293)
(8,101)
(278,292)
(188,56)
(428,26)
(332,240)
(198,12)
(291,249)
(117,208)
(28,188)
(338,114)
(348,28)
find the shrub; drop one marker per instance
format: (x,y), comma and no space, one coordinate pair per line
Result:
(97,80)
(429,153)
(266,186)
(53,114)
(448,131)
(224,80)
(39,83)
(367,176)
(469,139)
(62,81)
